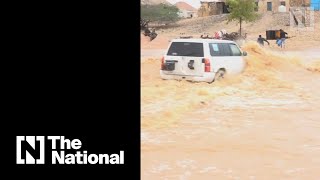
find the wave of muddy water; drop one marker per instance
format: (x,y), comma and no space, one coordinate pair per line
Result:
(262,124)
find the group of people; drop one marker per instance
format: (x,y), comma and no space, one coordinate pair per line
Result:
(280,41)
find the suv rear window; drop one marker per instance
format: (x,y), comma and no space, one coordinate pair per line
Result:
(186,49)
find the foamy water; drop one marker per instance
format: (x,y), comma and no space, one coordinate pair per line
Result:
(262,124)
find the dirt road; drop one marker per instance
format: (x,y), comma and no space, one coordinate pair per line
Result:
(262,124)
(145,53)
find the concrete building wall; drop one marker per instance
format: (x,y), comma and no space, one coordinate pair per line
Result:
(299,3)
(263,5)
(276,3)
(205,9)
(210,8)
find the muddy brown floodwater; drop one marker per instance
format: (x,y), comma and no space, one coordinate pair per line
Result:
(262,124)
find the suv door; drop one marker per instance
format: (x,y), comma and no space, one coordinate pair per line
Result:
(228,56)
(219,56)
(184,58)
(236,61)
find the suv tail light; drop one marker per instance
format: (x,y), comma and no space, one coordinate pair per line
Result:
(207,66)
(162,63)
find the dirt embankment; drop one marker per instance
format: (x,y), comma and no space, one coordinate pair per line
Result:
(300,38)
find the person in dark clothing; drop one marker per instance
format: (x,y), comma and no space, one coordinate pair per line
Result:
(282,37)
(261,41)
(153,34)
(147,32)
(282,34)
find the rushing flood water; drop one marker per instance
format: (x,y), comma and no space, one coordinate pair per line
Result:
(262,124)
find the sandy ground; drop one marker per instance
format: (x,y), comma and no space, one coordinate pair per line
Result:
(262,124)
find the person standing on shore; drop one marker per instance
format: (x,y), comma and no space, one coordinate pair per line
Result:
(282,38)
(261,40)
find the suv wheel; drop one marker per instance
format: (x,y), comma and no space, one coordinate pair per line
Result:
(219,75)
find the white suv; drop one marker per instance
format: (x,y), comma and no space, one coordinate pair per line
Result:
(201,60)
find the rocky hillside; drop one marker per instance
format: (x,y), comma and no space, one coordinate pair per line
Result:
(185,6)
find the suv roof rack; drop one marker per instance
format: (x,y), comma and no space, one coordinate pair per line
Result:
(186,37)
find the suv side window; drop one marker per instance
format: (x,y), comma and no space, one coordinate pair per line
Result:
(220,49)
(235,50)
(226,49)
(215,49)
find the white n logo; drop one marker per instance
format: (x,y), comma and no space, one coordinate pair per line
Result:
(30,149)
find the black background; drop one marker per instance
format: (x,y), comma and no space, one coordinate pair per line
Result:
(73,69)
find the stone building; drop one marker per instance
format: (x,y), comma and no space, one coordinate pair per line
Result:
(214,7)
(273,5)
